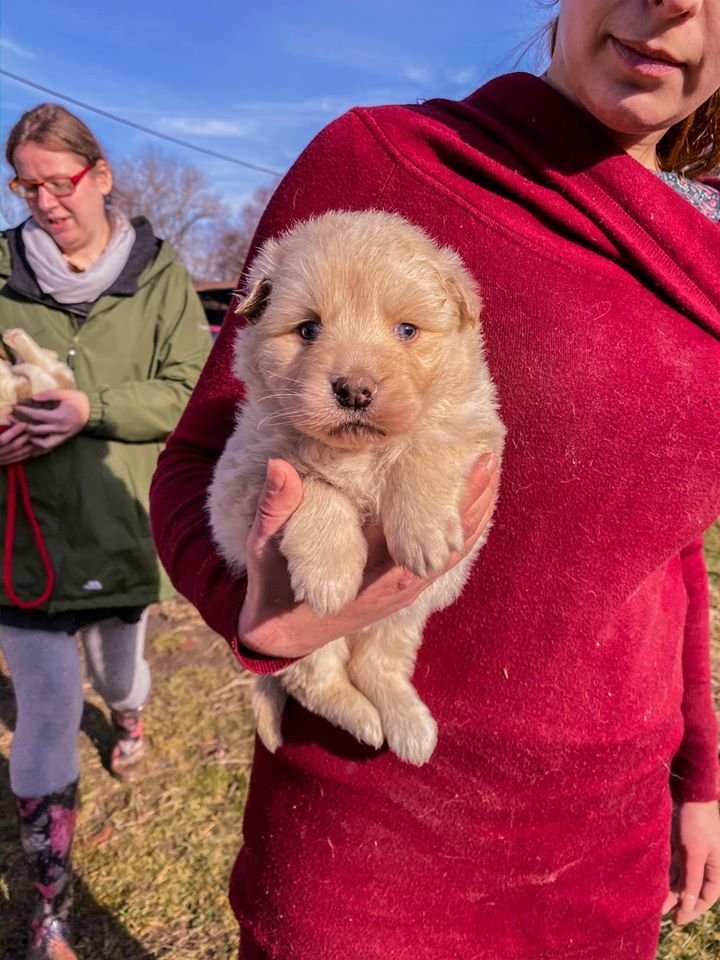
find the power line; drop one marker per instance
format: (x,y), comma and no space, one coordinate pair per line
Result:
(137,126)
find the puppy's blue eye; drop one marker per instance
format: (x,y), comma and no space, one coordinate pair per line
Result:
(405,331)
(310,330)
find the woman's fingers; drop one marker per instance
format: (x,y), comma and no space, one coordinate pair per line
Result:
(59,414)
(17,455)
(10,434)
(35,429)
(701,888)
(710,892)
(479,499)
(23,413)
(15,445)
(670,902)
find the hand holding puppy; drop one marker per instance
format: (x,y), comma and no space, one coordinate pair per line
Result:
(52,418)
(15,444)
(38,403)
(272,623)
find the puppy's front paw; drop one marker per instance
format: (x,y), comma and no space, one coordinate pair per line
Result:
(365,725)
(412,735)
(423,548)
(325,549)
(326,588)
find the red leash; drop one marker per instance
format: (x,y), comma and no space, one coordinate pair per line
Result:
(16,480)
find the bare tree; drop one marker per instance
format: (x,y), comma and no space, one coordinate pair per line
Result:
(175,196)
(228,240)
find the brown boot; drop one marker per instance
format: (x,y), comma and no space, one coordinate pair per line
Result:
(47,827)
(129,751)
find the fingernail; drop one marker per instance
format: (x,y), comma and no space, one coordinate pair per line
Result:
(407,579)
(491,463)
(274,478)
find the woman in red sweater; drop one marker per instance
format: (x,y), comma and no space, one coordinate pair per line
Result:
(571,681)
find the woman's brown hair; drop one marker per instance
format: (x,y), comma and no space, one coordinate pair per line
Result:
(691,147)
(54,128)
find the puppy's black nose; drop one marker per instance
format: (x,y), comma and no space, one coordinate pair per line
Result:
(355,392)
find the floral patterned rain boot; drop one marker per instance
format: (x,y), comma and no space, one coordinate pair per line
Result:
(47,827)
(129,750)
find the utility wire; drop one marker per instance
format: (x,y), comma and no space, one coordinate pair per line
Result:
(137,126)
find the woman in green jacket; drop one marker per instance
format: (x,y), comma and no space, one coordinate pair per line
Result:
(115,303)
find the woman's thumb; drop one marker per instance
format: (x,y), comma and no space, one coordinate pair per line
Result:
(279,499)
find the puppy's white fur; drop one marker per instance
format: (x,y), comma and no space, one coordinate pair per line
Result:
(35,370)
(383,424)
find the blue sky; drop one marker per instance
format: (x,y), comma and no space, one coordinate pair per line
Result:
(252,80)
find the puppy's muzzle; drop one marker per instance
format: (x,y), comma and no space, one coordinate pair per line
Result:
(354,392)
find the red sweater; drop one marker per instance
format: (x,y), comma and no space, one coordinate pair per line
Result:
(575,666)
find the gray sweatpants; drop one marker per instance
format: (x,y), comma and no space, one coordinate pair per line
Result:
(46,673)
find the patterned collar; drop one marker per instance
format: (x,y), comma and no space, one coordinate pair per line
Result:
(704,198)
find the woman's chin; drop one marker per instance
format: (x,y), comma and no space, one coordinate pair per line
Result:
(60,230)
(638,114)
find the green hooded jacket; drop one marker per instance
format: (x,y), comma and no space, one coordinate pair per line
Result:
(137,352)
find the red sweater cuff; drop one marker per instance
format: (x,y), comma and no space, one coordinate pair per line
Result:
(695,771)
(258,662)
(694,783)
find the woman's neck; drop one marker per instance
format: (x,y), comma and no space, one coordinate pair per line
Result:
(84,257)
(642,149)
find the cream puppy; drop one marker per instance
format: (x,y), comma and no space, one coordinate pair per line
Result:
(362,360)
(36,369)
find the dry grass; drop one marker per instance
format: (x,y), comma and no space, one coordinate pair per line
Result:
(153,859)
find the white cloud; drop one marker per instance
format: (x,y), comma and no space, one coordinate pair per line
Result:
(463,78)
(206,126)
(291,113)
(422,75)
(255,120)
(16,49)
(258,121)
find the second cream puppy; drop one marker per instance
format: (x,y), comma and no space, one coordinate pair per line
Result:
(363,366)
(34,369)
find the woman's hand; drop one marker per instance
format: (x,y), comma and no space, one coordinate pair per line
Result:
(695,865)
(272,623)
(47,428)
(15,444)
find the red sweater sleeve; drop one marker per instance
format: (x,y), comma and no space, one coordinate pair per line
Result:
(343,168)
(695,766)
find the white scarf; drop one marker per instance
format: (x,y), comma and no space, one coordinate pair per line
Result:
(55,277)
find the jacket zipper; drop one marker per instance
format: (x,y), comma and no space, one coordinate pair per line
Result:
(72,349)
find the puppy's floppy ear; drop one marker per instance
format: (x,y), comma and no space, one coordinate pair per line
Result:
(259,281)
(461,288)
(467,301)
(253,306)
